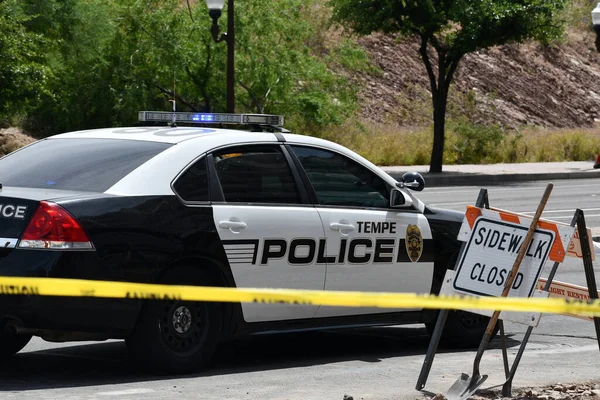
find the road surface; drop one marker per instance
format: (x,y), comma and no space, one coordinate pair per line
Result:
(567,195)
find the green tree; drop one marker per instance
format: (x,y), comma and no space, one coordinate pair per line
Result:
(278,71)
(171,52)
(144,53)
(450,29)
(23,63)
(85,76)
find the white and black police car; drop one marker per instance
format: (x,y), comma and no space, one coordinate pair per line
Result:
(203,205)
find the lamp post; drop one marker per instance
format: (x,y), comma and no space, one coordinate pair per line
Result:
(215,8)
(596,22)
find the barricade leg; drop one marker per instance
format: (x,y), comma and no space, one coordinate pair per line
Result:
(588,265)
(504,351)
(507,387)
(432,349)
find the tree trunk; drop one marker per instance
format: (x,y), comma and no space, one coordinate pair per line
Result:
(440,100)
(440,86)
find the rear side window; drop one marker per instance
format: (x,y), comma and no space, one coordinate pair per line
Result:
(92,165)
(192,185)
(255,174)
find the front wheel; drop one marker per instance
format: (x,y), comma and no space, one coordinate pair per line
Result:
(463,329)
(176,336)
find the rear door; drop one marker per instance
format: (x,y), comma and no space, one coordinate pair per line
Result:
(272,237)
(370,246)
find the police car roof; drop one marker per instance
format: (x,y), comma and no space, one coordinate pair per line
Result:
(166,134)
(162,134)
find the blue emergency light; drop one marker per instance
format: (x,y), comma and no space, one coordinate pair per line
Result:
(203,118)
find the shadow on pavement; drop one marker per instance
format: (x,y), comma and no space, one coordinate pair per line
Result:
(108,363)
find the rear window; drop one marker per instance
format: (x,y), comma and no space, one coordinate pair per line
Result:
(92,165)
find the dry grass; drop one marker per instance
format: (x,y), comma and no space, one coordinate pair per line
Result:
(386,144)
(12,139)
(540,145)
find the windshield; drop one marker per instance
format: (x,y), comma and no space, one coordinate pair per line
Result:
(92,165)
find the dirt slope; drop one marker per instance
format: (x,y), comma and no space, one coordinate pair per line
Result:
(514,85)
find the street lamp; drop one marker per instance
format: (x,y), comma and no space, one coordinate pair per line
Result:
(596,22)
(215,8)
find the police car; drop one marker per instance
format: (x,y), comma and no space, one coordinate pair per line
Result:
(204,205)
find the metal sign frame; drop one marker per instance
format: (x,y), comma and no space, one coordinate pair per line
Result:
(510,371)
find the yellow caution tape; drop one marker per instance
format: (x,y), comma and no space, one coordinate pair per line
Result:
(89,288)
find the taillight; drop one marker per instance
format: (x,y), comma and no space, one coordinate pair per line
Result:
(52,227)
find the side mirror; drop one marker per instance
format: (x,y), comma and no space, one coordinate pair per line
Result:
(399,199)
(413,181)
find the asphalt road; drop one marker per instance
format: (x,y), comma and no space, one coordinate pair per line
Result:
(567,195)
(375,363)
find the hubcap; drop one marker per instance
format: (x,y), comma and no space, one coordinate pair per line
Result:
(183,326)
(182,319)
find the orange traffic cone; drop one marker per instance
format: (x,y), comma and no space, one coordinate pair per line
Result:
(597,163)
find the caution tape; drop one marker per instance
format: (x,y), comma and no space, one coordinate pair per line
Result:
(128,290)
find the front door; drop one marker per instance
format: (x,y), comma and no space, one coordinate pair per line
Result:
(370,247)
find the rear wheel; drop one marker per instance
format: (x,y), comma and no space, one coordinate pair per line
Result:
(463,329)
(11,343)
(177,336)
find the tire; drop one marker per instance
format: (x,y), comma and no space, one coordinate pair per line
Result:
(11,344)
(463,330)
(176,336)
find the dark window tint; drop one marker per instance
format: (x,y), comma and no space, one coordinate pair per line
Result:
(255,174)
(192,185)
(339,181)
(76,164)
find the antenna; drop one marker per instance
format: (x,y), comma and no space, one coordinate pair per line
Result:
(174,101)
(174,114)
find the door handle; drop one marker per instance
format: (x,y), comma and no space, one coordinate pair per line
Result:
(232,225)
(337,226)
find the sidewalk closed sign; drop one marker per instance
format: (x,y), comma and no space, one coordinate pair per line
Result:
(493,241)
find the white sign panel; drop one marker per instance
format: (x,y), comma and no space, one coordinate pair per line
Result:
(490,254)
(526,318)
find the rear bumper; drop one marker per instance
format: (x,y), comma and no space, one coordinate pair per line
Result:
(109,317)
(38,314)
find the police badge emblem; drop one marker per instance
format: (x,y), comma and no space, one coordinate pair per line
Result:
(414,242)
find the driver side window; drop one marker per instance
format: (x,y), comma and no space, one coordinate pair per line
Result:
(339,181)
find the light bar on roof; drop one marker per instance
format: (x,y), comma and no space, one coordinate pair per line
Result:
(208,118)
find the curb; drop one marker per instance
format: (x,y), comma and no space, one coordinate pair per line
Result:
(466,179)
